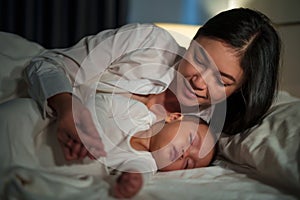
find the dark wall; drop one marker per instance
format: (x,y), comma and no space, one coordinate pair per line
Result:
(60,23)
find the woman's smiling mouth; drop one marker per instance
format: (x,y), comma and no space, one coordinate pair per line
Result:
(189,92)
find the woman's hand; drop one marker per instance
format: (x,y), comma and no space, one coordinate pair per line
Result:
(76,131)
(128,184)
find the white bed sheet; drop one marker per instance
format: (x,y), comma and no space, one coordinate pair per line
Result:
(207,183)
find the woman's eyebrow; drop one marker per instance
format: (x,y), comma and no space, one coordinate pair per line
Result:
(228,76)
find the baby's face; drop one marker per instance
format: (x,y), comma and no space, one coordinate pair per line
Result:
(182,145)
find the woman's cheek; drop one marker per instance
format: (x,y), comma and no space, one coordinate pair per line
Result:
(217,95)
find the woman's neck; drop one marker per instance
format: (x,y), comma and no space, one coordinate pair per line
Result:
(166,100)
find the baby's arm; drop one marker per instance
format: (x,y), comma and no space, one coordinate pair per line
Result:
(131,175)
(127,185)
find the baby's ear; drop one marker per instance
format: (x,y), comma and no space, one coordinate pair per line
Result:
(173,117)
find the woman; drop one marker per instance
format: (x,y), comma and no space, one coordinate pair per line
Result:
(231,65)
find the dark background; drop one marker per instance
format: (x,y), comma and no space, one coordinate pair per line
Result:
(60,23)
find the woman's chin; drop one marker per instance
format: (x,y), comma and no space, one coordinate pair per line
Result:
(193,102)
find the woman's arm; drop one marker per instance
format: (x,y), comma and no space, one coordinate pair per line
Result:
(51,79)
(49,85)
(64,71)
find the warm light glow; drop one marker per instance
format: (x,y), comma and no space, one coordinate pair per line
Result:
(237,3)
(187,30)
(182,33)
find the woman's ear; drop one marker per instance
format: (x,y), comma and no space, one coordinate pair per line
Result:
(173,117)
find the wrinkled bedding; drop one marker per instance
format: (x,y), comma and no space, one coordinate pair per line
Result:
(264,164)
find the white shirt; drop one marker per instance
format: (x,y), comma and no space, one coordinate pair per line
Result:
(118,119)
(137,58)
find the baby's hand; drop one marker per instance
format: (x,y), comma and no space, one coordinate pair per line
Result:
(128,184)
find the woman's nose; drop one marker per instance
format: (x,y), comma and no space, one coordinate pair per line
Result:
(199,82)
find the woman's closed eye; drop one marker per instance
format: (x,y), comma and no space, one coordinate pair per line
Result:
(221,82)
(224,79)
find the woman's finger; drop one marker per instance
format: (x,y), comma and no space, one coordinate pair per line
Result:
(67,152)
(63,137)
(76,149)
(92,144)
(83,152)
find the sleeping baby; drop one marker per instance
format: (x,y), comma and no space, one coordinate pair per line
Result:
(138,144)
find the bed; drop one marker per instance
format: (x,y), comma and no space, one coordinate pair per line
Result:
(264,164)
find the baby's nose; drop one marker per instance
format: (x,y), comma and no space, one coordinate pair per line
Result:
(194,152)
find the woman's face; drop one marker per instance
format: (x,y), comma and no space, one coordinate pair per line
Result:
(209,72)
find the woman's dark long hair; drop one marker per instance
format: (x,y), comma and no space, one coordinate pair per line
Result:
(258,46)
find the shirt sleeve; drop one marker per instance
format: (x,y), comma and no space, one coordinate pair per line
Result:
(45,79)
(76,68)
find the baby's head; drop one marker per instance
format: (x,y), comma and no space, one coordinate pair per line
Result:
(183,142)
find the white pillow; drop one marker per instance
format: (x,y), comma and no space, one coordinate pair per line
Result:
(271,151)
(14,54)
